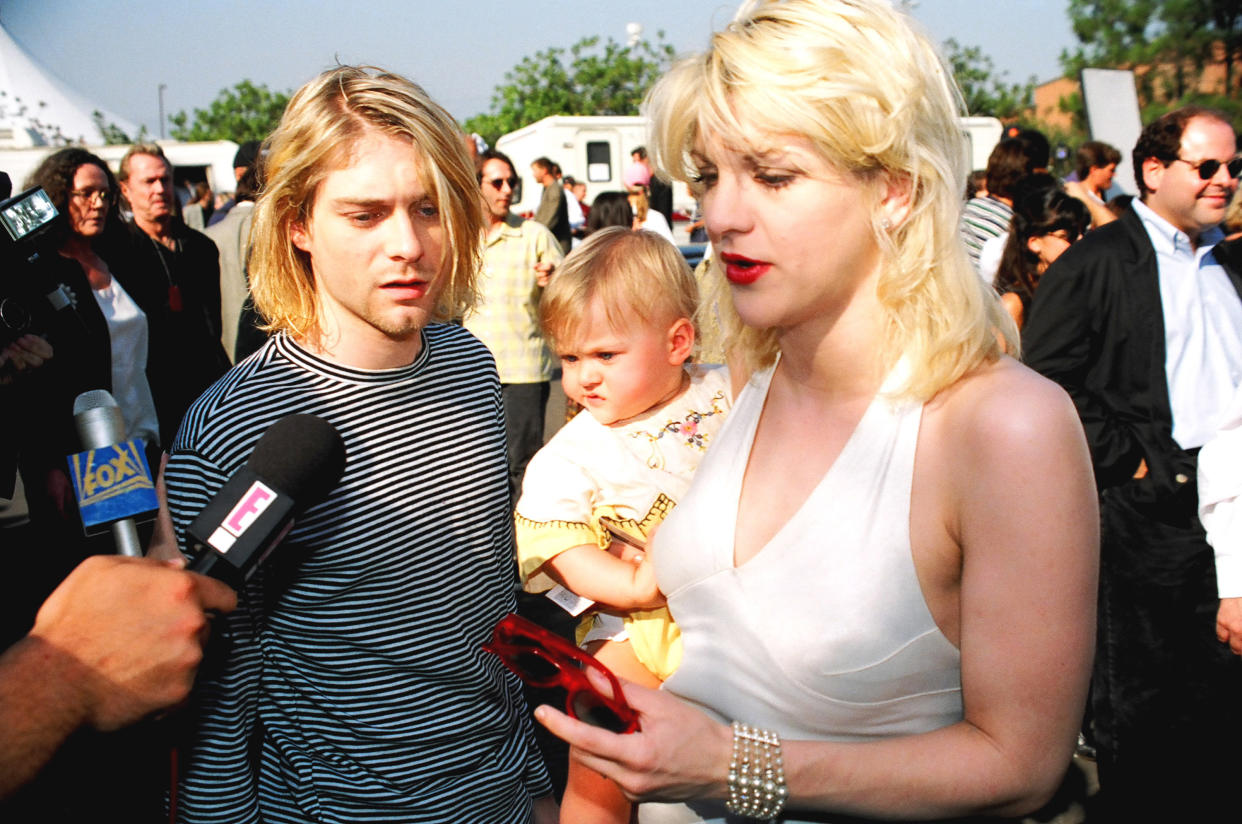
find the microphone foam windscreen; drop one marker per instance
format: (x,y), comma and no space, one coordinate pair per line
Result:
(301,455)
(92,400)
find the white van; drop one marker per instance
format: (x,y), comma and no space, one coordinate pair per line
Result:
(592,149)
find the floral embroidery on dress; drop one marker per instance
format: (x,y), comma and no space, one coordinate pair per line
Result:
(685,432)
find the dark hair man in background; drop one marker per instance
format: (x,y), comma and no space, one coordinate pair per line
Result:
(1143,327)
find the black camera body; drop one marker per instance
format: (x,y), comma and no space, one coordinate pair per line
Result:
(27,300)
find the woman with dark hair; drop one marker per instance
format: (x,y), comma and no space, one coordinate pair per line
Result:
(107,349)
(610,209)
(1046,221)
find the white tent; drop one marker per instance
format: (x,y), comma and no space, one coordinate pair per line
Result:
(36,109)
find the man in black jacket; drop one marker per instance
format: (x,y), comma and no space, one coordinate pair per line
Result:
(177,285)
(1143,327)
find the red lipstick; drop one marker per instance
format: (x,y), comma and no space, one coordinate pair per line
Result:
(742,271)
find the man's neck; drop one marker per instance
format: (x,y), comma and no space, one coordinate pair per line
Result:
(373,352)
(494,225)
(158,230)
(1193,233)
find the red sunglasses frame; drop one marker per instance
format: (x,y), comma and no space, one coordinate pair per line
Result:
(515,636)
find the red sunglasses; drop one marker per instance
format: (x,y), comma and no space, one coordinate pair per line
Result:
(543,659)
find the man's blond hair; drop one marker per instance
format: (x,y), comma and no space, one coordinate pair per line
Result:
(638,276)
(875,99)
(321,126)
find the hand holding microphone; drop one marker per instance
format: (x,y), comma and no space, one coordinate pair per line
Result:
(119,639)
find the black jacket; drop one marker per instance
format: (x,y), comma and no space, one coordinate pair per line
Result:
(180,294)
(1096,327)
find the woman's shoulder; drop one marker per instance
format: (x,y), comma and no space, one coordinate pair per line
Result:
(1002,404)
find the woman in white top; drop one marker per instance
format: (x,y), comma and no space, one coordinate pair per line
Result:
(647,218)
(887,561)
(107,347)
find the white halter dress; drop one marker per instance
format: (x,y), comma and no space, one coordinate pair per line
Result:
(824,634)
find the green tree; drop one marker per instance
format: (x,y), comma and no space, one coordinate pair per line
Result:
(589,79)
(244,112)
(114,135)
(1169,44)
(985,91)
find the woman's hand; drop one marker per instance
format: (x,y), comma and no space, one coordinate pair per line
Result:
(680,752)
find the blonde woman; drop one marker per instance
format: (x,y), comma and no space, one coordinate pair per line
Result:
(873,624)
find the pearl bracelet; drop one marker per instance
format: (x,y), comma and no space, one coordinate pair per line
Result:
(756,774)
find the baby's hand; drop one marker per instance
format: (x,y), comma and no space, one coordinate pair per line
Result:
(626,552)
(543,273)
(646,591)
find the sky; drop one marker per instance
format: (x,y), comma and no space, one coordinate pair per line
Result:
(118,53)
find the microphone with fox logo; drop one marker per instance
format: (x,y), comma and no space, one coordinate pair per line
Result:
(111,480)
(296,463)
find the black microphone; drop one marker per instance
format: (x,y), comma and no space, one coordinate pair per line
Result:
(111,479)
(296,463)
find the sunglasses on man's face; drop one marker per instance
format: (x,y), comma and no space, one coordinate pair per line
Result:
(1207,169)
(498,183)
(543,659)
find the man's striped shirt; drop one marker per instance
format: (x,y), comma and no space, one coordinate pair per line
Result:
(355,687)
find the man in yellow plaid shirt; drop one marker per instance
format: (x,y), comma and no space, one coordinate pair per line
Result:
(518,257)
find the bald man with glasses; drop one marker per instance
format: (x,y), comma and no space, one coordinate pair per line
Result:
(518,257)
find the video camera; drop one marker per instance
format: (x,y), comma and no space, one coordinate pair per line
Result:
(25,301)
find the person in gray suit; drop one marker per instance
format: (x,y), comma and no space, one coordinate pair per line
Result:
(232,237)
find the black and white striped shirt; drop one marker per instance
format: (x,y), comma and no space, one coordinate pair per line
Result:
(356,688)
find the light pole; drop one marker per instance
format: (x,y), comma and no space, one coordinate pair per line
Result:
(162,87)
(633,34)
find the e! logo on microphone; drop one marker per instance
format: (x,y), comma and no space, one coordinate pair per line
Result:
(257,498)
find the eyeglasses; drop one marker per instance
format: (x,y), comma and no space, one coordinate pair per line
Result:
(91,195)
(498,183)
(1207,168)
(542,659)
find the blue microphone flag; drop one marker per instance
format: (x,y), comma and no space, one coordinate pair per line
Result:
(112,483)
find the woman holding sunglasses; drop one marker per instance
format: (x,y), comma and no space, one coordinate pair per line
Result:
(874,625)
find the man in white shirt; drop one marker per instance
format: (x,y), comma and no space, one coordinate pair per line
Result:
(1220,509)
(1143,328)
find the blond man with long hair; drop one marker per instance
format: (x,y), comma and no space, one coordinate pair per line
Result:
(356,685)
(872,623)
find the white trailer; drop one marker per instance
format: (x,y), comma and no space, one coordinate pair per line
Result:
(593,149)
(211,161)
(981,135)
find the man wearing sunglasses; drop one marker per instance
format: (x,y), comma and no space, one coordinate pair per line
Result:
(1141,324)
(518,257)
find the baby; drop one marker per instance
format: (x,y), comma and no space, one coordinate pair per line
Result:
(619,313)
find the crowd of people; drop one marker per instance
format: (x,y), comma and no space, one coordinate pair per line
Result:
(951,480)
